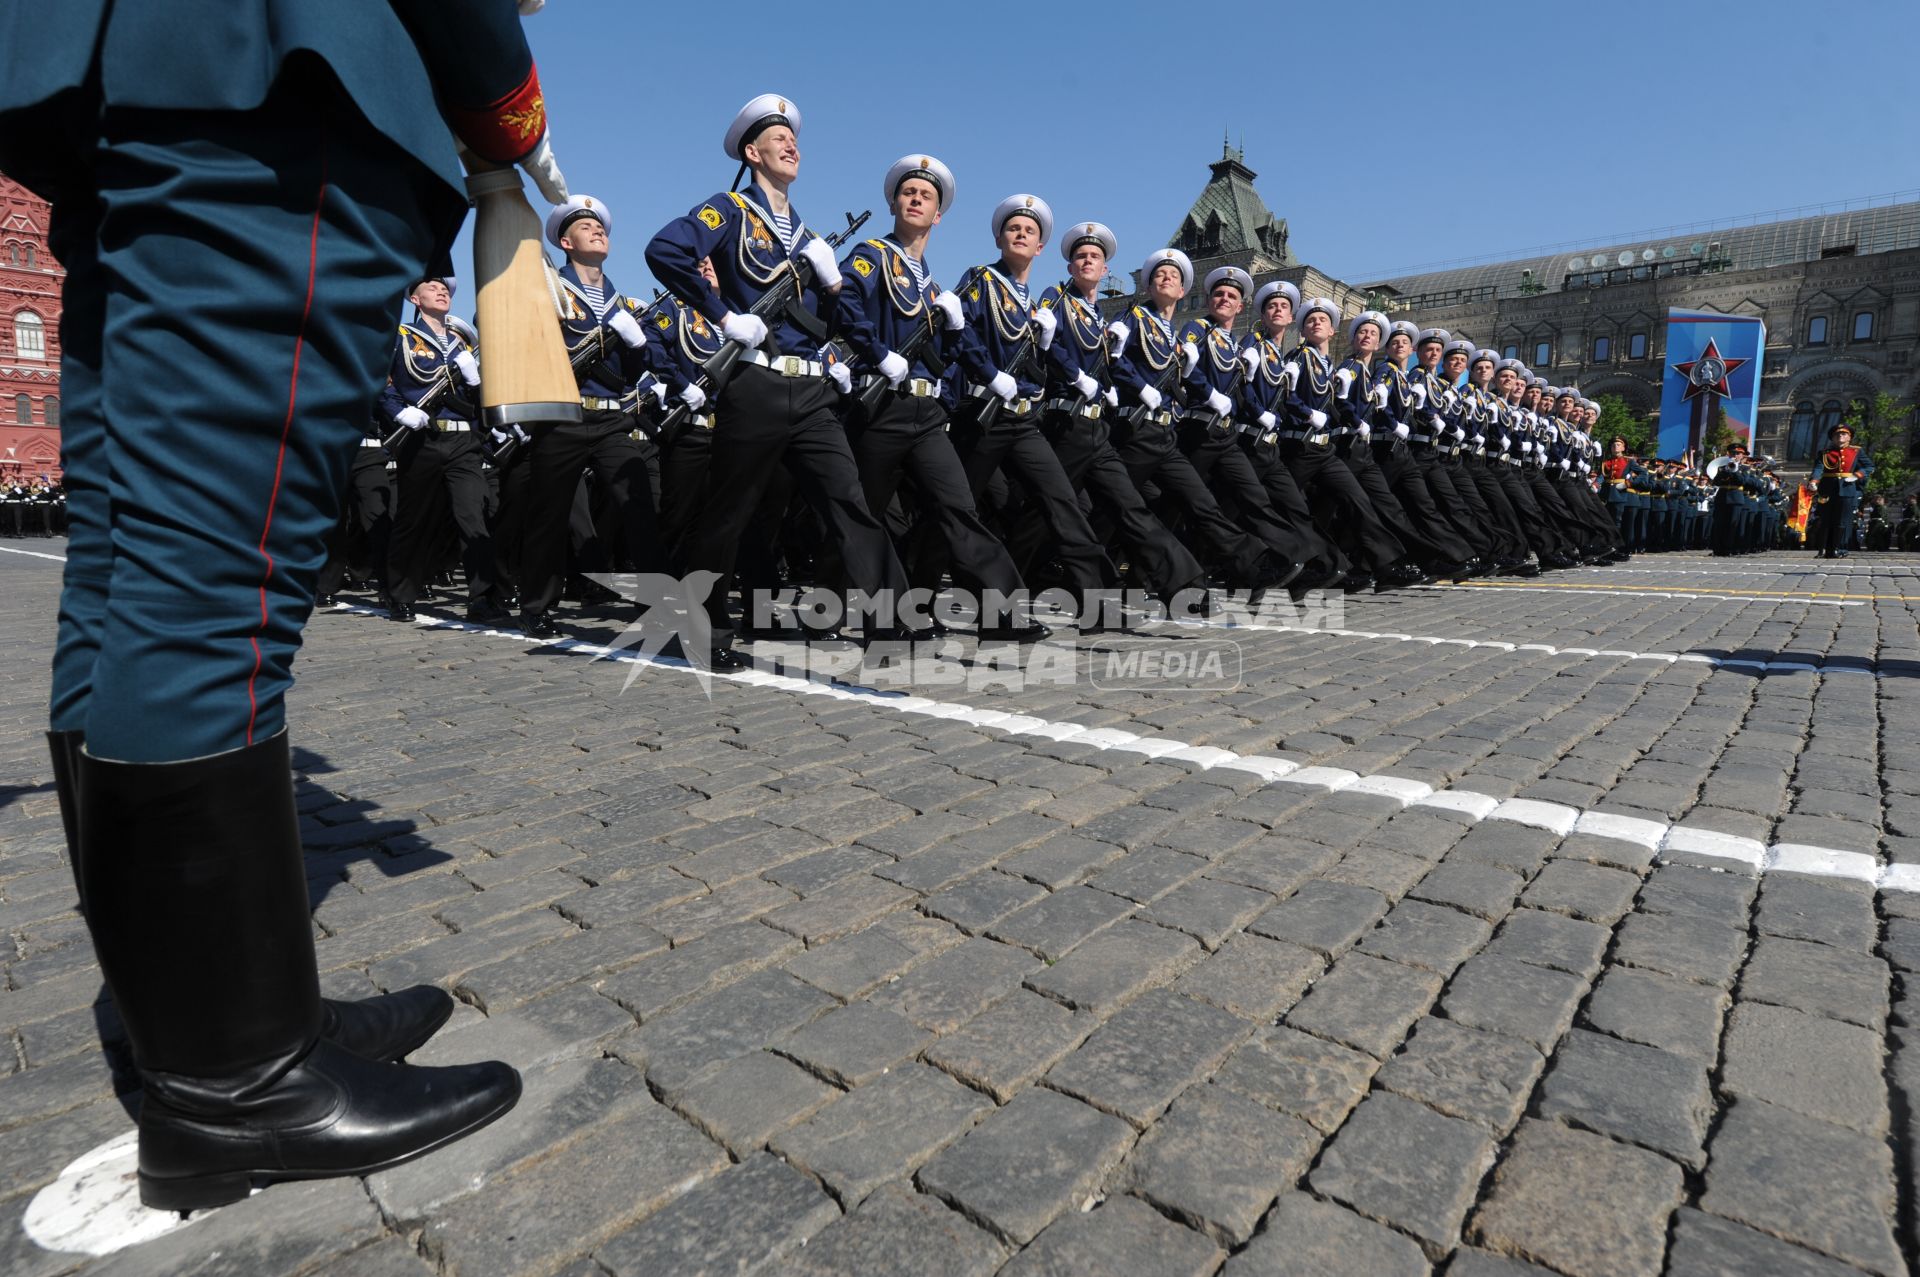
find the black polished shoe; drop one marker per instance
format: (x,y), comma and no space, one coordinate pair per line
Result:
(538,625)
(724,660)
(324,601)
(398,611)
(486,612)
(1356,582)
(1031,632)
(330,1113)
(389,1027)
(774,634)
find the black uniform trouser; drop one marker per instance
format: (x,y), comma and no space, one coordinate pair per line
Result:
(1511,542)
(1593,512)
(1092,465)
(683,479)
(1554,511)
(1373,480)
(370,513)
(1223,465)
(1151,458)
(764,420)
(1015,447)
(439,476)
(1499,542)
(1837,515)
(603,443)
(1541,534)
(1326,560)
(1627,517)
(1436,537)
(1465,514)
(906,439)
(1341,506)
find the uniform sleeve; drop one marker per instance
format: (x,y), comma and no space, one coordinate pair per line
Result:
(476,55)
(967,347)
(1196,382)
(1063,357)
(859,296)
(391,401)
(1128,375)
(673,255)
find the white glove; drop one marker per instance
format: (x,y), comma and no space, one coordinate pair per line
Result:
(1379,394)
(1526,446)
(1478,441)
(696,398)
(1250,359)
(520,433)
(1417,393)
(749,330)
(1439,422)
(623,323)
(1344,378)
(469,366)
(545,171)
(1400,430)
(659,389)
(1317,418)
(1189,358)
(499,437)
(1046,322)
(1086,385)
(1002,386)
(1266,421)
(1219,403)
(948,304)
(1151,398)
(894,369)
(1112,397)
(412,418)
(1119,332)
(1365,432)
(819,255)
(841,377)
(1565,464)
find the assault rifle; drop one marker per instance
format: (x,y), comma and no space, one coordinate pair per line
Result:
(718,371)
(1137,415)
(428,403)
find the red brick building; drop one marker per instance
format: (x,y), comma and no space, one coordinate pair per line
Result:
(30,281)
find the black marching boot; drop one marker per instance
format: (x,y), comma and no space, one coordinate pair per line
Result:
(387,1026)
(197,901)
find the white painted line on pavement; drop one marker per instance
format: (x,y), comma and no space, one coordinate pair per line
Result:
(1581,588)
(1545,649)
(33,554)
(1665,839)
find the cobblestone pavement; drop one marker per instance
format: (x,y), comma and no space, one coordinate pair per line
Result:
(1562,926)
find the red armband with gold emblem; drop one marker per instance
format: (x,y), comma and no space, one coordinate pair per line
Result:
(506,130)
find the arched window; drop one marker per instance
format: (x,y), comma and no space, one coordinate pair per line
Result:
(23,410)
(1817,331)
(29,257)
(50,409)
(1829,418)
(1863,326)
(1800,432)
(13,254)
(1637,346)
(1602,349)
(29,336)
(1510,351)
(1542,353)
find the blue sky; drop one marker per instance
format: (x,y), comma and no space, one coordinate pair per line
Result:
(1371,128)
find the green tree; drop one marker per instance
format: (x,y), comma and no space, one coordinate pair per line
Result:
(1882,429)
(1720,435)
(1616,418)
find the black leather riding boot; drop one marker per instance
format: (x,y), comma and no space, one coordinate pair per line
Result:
(197,901)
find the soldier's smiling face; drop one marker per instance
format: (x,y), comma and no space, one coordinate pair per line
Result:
(585,240)
(433,297)
(776,151)
(916,204)
(1429,354)
(1224,304)
(1020,240)
(1089,265)
(1456,363)
(1399,346)
(1166,285)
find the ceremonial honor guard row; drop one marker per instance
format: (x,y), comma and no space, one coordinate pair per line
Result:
(1002,434)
